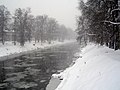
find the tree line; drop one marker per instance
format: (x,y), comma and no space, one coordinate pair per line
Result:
(27,27)
(99,22)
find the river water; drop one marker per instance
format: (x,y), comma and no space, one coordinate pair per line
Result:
(33,71)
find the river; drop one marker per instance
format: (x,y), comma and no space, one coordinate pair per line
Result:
(33,71)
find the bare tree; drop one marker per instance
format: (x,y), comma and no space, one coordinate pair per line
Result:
(4,17)
(20,21)
(29,27)
(51,29)
(40,23)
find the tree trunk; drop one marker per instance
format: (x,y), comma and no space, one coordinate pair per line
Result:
(2,35)
(116,28)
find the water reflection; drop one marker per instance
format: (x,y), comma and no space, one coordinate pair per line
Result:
(33,71)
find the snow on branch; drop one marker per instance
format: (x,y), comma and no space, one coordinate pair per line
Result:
(91,34)
(115,23)
(115,10)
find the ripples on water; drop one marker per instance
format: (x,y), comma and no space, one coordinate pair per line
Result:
(33,71)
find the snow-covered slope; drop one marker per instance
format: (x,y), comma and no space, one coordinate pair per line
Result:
(98,69)
(10,49)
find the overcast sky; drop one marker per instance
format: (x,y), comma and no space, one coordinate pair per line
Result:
(65,11)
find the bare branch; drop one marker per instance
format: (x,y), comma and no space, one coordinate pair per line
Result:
(115,23)
(91,34)
(115,10)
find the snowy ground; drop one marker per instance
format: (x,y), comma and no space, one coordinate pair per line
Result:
(10,49)
(98,68)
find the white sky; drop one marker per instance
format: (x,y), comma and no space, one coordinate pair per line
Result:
(65,11)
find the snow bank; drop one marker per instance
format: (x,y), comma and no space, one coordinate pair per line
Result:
(10,49)
(97,69)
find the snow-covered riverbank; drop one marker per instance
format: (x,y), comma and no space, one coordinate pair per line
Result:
(10,49)
(98,68)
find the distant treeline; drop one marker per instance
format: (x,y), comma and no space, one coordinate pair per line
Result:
(100,22)
(23,26)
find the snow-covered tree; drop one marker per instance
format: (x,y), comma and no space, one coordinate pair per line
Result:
(101,17)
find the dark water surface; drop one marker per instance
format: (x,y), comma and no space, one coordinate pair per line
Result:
(33,71)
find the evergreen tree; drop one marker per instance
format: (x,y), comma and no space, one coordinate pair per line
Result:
(101,18)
